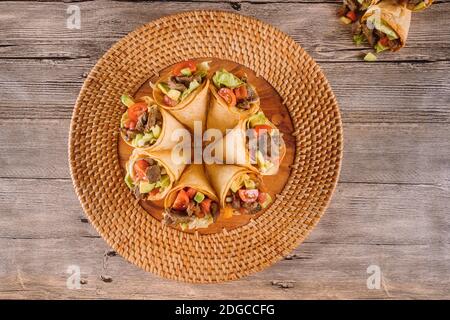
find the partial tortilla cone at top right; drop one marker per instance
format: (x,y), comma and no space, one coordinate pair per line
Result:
(232,148)
(413,7)
(223,175)
(194,176)
(173,163)
(410,4)
(190,110)
(223,117)
(395,15)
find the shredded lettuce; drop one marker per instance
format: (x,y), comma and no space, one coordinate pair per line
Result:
(156,130)
(375,22)
(257,119)
(192,86)
(164,182)
(129,181)
(123,119)
(370,57)
(379,47)
(358,39)
(226,79)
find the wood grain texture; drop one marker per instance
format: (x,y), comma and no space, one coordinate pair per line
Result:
(316,270)
(104,22)
(394,185)
(373,153)
(421,91)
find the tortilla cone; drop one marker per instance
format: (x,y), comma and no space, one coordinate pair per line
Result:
(395,15)
(169,125)
(173,164)
(193,108)
(223,117)
(232,149)
(222,176)
(194,176)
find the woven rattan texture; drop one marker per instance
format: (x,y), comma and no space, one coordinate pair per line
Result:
(98,178)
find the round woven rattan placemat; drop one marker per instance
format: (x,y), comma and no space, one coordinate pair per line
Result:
(98,178)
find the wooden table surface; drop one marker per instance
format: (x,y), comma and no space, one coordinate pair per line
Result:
(391,207)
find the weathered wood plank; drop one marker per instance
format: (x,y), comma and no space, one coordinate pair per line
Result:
(395,175)
(314,25)
(373,153)
(37,269)
(41,208)
(388,92)
(47,82)
(407,214)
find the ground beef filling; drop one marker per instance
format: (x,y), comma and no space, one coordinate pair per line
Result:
(234,200)
(152,173)
(373,35)
(145,123)
(244,103)
(190,209)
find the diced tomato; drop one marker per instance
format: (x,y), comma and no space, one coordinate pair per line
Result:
(228,96)
(169,102)
(154,191)
(205,205)
(181,201)
(140,167)
(351,15)
(183,65)
(128,124)
(384,41)
(259,129)
(191,192)
(248,195)
(262,197)
(135,111)
(241,92)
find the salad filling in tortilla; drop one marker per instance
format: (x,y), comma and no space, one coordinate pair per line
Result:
(186,77)
(191,209)
(147,178)
(233,99)
(269,149)
(351,10)
(141,124)
(235,91)
(385,26)
(246,195)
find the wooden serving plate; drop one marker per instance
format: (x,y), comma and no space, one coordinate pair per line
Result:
(271,105)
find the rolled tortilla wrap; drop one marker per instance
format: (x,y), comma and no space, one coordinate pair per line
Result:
(234,149)
(194,176)
(191,109)
(394,15)
(173,164)
(222,176)
(169,124)
(221,116)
